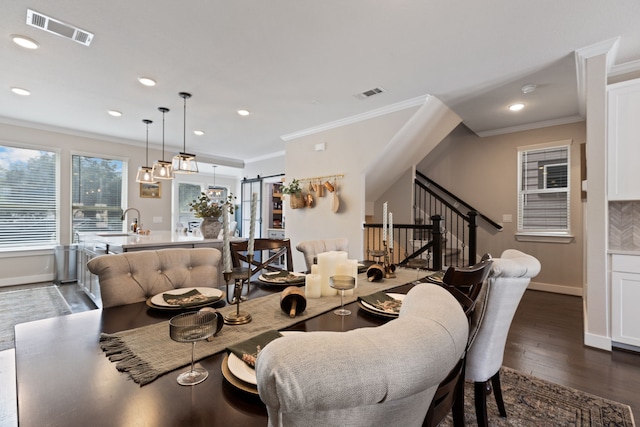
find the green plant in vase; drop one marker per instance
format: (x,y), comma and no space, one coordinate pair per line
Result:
(210,211)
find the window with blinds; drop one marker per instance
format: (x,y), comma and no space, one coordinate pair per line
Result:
(96,194)
(543,190)
(28,197)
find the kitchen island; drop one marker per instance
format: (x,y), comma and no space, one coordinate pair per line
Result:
(91,245)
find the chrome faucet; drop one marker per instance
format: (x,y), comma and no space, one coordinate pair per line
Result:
(132,209)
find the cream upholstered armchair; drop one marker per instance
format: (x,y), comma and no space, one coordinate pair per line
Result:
(311,248)
(379,376)
(509,277)
(135,276)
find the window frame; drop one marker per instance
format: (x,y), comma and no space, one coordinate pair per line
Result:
(124,189)
(57,152)
(562,235)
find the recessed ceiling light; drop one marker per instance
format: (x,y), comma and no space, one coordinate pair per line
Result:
(115,113)
(20,91)
(516,107)
(244,112)
(25,42)
(199,132)
(147,81)
(528,88)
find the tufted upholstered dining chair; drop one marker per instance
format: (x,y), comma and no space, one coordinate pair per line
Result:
(311,248)
(132,277)
(509,277)
(379,376)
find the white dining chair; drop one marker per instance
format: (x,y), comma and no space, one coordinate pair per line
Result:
(381,376)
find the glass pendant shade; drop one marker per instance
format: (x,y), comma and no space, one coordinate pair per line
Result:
(184,162)
(145,173)
(161,168)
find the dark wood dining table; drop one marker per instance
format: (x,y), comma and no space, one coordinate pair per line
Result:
(65,379)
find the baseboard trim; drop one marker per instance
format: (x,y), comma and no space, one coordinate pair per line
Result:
(25,280)
(556,289)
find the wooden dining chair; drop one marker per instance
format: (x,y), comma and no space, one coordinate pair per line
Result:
(268,255)
(466,284)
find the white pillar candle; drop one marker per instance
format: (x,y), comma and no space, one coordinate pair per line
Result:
(314,269)
(345,269)
(226,252)
(390,230)
(252,224)
(354,269)
(312,286)
(384,222)
(327,267)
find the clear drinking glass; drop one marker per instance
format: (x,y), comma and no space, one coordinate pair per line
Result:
(342,283)
(192,327)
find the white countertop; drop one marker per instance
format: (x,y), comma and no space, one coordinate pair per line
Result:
(155,238)
(624,251)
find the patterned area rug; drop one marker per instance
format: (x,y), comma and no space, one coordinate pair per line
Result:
(532,401)
(26,305)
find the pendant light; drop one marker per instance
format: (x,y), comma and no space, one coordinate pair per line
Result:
(213,192)
(145,173)
(184,162)
(162,169)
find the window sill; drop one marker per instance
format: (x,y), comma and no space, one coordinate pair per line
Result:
(544,237)
(18,252)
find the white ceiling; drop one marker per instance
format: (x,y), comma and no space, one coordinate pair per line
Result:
(296,64)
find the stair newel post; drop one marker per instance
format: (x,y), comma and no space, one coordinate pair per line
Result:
(473,240)
(436,234)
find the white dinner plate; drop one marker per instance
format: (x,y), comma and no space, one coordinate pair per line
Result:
(376,310)
(159,301)
(244,372)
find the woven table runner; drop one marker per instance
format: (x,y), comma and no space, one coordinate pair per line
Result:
(148,352)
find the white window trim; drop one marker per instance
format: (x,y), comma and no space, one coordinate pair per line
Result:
(541,236)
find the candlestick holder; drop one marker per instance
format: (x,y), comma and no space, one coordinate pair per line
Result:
(389,267)
(239,275)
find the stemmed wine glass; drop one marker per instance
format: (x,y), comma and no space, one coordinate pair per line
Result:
(342,283)
(191,327)
(418,263)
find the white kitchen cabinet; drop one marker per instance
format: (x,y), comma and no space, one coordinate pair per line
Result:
(623,140)
(625,295)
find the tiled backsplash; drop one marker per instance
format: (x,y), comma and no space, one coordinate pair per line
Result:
(624,225)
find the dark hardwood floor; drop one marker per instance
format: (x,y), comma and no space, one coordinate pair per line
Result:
(546,341)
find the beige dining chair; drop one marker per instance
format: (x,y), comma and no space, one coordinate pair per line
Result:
(379,376)
(132,277)
(508,280)
(311,248)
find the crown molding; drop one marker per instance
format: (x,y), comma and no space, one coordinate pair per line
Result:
(403,105)
(606,47)
(530,126)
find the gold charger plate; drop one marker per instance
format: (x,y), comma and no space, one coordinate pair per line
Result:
(237,383)
(299,280)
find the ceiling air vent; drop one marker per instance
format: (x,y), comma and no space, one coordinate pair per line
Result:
(46,23)
(369,93)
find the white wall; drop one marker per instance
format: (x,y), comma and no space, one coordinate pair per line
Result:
(348,150)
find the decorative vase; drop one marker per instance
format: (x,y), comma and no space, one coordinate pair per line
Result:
(296,201)
(210,227)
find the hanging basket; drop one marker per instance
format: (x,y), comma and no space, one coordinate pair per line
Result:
(296,201)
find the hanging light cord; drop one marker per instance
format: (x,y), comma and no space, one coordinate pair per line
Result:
(163,110)
(147,122)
